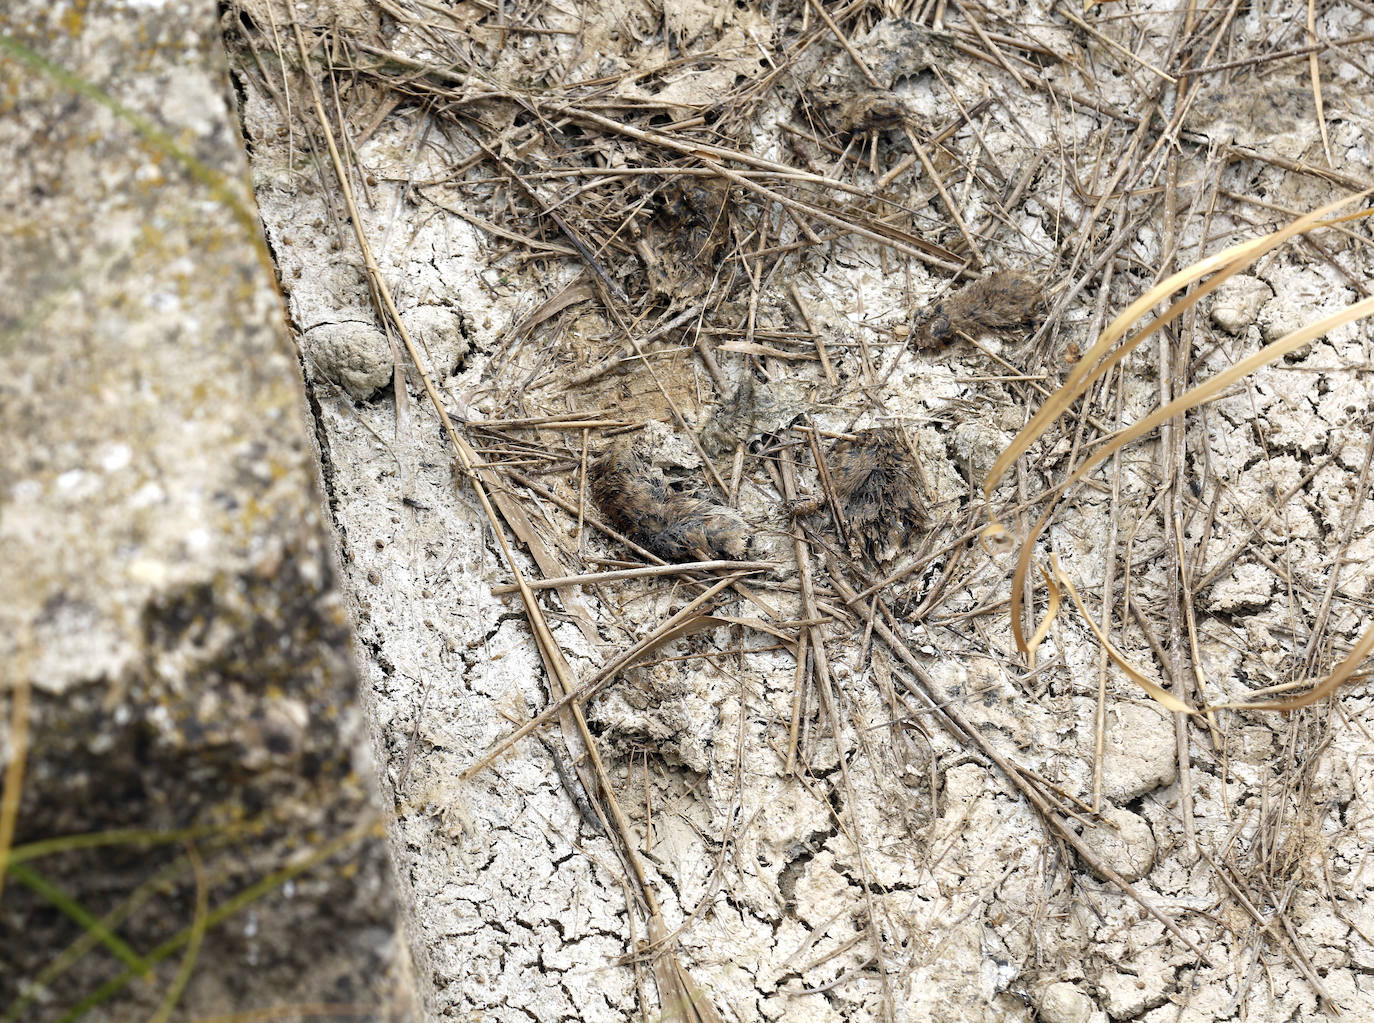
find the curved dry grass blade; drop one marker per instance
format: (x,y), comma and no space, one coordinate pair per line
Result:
(1213,386)
(1203,392)
(1052,612)
(1080,379)
(1343,673)
(1228,262)
(1314,70)
(1159,695)
(1018,581)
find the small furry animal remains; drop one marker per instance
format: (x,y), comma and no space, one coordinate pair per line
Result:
(878,484)
(1002,299)
(676,521)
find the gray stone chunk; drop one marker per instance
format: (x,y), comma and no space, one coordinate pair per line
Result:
(1064,1003)
(1124,842)
(167,595)
(1141,754)
(356,356)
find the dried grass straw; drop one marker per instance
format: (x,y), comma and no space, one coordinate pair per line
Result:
(1101,359)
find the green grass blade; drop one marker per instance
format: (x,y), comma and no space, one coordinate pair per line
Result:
(217,916)
(122,836)
(41,886)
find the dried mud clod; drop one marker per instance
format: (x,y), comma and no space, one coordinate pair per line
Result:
(1000,300)
(732,422)
(676,521)
(878,485)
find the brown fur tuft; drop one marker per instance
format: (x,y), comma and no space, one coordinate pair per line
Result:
(675,524)
(878,483)
(1002,299)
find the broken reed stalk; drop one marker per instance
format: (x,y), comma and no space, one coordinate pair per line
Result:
(965,733)
(1174,370)
(675,627)
(560,674)
(742,567)
(1102,358)
(811,635)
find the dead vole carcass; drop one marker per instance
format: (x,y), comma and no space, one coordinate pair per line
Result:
(1000,300)
(880,489)
(676,520)
(849,113)
(732,422)
(696,207)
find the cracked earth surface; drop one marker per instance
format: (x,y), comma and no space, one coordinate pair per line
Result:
(519,904)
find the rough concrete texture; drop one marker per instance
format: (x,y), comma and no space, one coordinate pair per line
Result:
(167,594)
(521,907)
